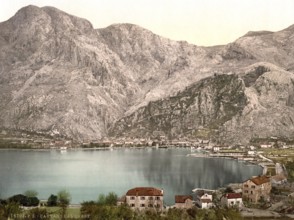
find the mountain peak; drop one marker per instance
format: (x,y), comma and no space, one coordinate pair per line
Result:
(32,15)
(58,74)
(26,13)
(65,21)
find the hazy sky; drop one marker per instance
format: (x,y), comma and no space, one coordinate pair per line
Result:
(201,22)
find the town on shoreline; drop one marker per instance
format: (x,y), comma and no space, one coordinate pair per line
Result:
(272,154)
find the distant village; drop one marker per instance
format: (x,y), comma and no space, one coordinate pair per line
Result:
(39,140)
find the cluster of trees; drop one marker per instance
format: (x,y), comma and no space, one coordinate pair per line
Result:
(29,198)
(96,211)
(11,206)
(105,208)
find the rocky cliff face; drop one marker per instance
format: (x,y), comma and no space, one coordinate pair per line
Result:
(235,108)
(200,110)
(60,75)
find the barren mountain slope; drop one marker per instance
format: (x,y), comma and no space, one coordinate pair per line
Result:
(59,75)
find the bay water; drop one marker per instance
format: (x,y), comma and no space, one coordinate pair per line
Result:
(87,173)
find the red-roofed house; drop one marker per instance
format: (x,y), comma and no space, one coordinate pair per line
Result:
(257,188)
(232,199)
(145,197)
(183,201)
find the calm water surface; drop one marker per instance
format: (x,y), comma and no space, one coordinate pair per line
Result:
(86,174)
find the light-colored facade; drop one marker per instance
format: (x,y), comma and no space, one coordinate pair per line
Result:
(204,200)
(232,200)
(183,202)
(257,188)
(142,198)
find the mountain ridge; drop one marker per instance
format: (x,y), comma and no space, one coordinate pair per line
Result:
(60,75)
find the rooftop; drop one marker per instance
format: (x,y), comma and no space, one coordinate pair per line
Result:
(182,198)
(260,180)
(145,191)
(233,195)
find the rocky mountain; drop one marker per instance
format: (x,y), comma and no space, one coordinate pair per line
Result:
(59,75)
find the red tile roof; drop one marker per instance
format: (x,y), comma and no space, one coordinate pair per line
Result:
(233,195)
(182,198)
(145,191)
(260,180)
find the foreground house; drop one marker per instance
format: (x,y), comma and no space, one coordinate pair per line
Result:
(183,202)
(145,197)
(204,200)
(257,188)
(232,200)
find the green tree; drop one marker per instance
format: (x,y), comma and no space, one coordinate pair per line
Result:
(52,200)
(111,199)
(125,212)
(64,199)
(229,190)
(9,210)
(88,210)
(19,198)
(31,193)
(101,199)
(177,214)
(32,201)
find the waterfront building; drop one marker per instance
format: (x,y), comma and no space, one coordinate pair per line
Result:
(145,198)
(257,188)
(232,200)
(203,199)
(184,201)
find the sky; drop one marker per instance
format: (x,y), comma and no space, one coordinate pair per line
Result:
(200,22)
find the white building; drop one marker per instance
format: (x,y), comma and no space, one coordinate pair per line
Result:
(145,197)
(232,200)
(204,200)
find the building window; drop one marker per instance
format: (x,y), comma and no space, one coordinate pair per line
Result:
(246,191)
(246,185)
(253,187)
(150,205)
(142,198)
(157,206)
(142,205)
(251,192)
(132,205)
(157,197)
(150,198)
(132,198)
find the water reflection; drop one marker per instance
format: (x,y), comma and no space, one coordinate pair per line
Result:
(86,174)
(179,174)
